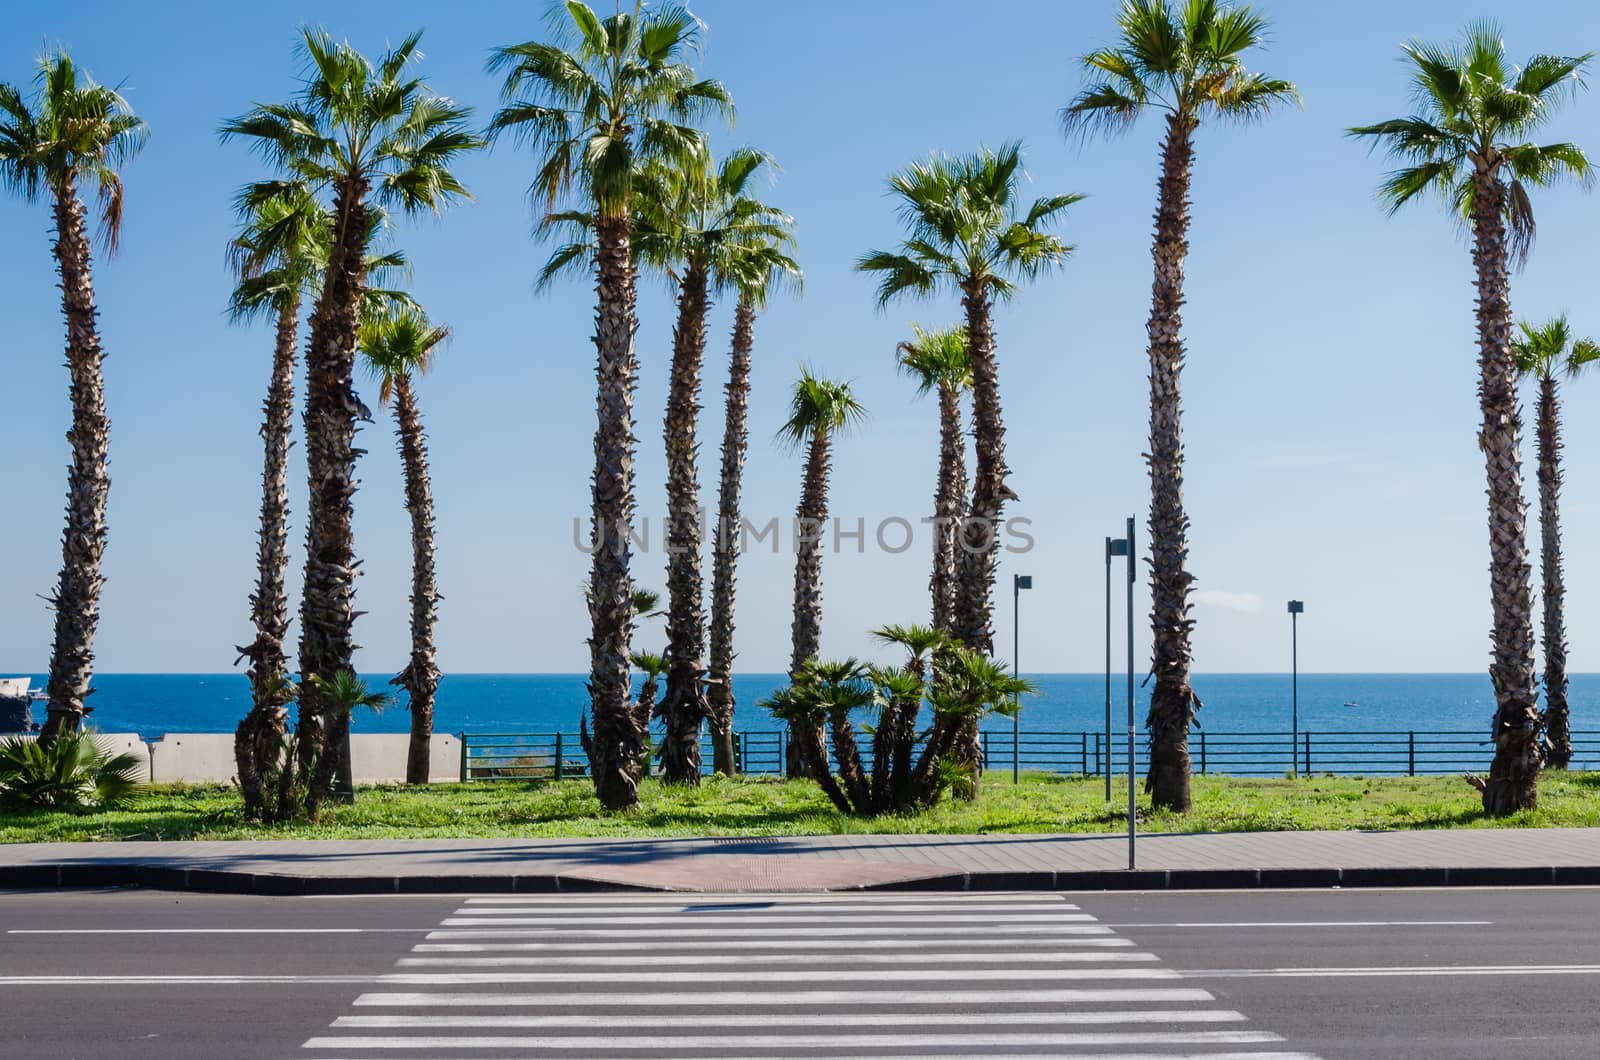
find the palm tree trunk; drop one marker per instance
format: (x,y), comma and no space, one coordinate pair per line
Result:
(948,500)
(327,606)
(77,597)
(980,533)
(979,539)
(685,707)
(811,518)
(1513,782)
(616,758)
(258,742)
(420,678)
(725,553)
(1558,736)
(1172,703)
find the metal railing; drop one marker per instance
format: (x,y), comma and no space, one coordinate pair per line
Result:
(559,756)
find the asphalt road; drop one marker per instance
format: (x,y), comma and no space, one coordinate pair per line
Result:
(1291,975)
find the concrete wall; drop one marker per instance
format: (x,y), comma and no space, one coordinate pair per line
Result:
(375,758)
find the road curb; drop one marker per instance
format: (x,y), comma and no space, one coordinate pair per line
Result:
(223,881)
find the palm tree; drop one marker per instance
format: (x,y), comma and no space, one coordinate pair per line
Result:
(819,410)
(278,258)
(1187,62)
(1545,352)
(759,268)
(74,132)
(370,136)
(606,97)
(1469,141)
(396,347)
(966,231)
(938,361)
(692,223)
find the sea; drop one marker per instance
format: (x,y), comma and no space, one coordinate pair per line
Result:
(154,704)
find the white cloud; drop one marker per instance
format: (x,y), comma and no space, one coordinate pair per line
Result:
(1247,602)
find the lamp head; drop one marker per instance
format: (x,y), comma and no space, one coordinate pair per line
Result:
(1297,607)
(1117,546)
(1022,581)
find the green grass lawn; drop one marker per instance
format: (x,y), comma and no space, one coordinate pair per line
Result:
(768,806)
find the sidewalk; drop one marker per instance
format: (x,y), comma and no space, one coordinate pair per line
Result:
(1501,857)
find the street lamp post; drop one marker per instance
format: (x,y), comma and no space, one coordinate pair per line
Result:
(1133,820)
(1114,547)
(1296,609)
(1019,582)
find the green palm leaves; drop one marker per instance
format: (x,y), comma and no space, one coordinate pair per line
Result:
(70,772)
(937,359)
(399,344)
(1186,59)
(1544,351)
(72,128)
(819,406)
(1474,109)
(606,96)
(965,225)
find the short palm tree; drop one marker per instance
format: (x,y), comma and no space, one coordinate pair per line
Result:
(398,346)
(1185,61)
(967,231)
(758,269)
(74,134)
(820,410)
(939,362)
(606,97)
(278,259)
(1546,352)
(1469,141)
(369,135)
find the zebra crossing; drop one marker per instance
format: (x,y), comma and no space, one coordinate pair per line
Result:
(786,977)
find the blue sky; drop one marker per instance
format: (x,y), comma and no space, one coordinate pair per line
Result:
(1330,391)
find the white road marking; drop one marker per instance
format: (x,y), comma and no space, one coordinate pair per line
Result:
(771,1041)
(1310,924)
(792,998)
(923,927)
(805,1020)
(1438,969)
(753,898)
(830,975)
(764,911)
(218,931)
(777,919)
(996,1056)
(180,980)
(745,960)
(844,948)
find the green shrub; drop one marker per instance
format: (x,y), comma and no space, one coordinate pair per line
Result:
(72,773)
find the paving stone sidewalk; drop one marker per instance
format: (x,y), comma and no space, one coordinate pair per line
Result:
(985,862)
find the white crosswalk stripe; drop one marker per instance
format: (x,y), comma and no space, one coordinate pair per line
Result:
(790,977)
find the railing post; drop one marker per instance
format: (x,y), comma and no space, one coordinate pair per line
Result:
(1202,752)
(559,756)
(1083,754)
(465,773)
(1411,754)
(983,748)
(1308,754)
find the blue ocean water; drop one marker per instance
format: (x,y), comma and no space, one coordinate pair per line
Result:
(153,704)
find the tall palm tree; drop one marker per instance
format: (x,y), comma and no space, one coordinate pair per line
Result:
(692,223)
(398,346)
(938,361)
(368,135)
(966,230)
(1469,141)
(820,409)
(278,259)
(605,97)
(74,133)
(1546,352)
(1185,61)
(758,269)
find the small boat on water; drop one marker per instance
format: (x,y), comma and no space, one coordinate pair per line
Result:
(1352,703)
(16,704)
